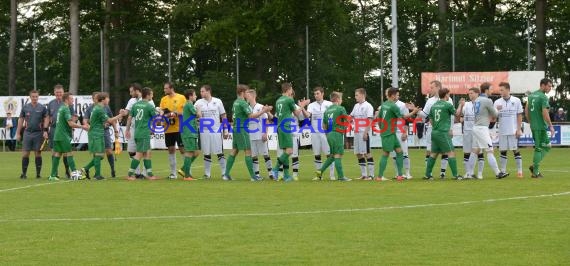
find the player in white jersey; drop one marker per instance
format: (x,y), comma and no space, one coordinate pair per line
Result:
(213,112)
(258,138)
(363,110)
(319,143)
(466,112)
(403,139)
(510,123)
(135,90)
(434,86)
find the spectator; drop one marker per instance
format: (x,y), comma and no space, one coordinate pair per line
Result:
(11,124)
(560,116)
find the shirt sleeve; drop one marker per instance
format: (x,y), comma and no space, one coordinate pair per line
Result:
(182,103)
(520,109)
(221,108)
(396,111)
(67,115)
(132,111)
(245,108)
(369,111)
(545,103)
(163,103)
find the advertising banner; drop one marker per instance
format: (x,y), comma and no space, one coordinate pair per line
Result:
(460,82)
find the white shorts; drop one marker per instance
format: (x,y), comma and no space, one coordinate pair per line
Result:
(211,143)
(295,147)
(259,147)
(482,138)
(467,141)
(320,144)
(508,143)
(427,137)
(361,146)
(131,145)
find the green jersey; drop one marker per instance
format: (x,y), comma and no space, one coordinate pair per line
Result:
(536,102)
(334,115)
(285,107)
(188,111)
(240,113)
(142,112)
(440,115)
(62,128)
(388,114)
(97,121)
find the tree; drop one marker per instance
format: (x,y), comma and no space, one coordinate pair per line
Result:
(12,51)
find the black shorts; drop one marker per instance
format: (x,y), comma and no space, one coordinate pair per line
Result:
(32,141)
(173,138)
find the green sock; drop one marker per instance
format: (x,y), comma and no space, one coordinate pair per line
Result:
(536,158)
(186,166)
(383,163)
(134,165)
(430,164)
(148,166)
(89,165)
(54,165)
(230,164)
(249,164)
(453,165)
(400,163)
(192,159)
(338,167)
(97,163)
(327,163)
(285,161)
(71,163)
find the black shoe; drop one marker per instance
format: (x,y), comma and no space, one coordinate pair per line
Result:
(113,175)
(38,176)
(531,169)
(429,178)
(99,177)
(67,175)
(139,176)
(23,176)
(442,175)
(502,175)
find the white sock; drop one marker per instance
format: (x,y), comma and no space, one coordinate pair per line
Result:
(406,165)
(362,164)
(518,160)
(471,163)
(493,163)
(331,170)
(481,165)
(256,165)
(207,165)
(172,162)
(318,162)
(444,162)
(370,163)
(503,162)
(222,161)
(268,164)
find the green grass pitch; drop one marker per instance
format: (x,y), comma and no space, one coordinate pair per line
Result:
(164,222)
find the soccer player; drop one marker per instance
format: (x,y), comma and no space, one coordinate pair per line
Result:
(135,90)
(363,110)
(390,120)
(285,110)
(96,133)
(402,136)
(319,143)
(62,138)
(107,134)
(52,108)
(190,135)
(510,123)
(258,138)
(33,120)
(537,113)
(240,136)
(142,112)
(484,112)
(172,104)
(335,116)
(466,112)
(212,110)
(435,86)
(440,116)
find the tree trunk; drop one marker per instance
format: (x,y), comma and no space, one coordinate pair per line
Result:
(106,54)
(443,7)
(541,35)
(74,25)
(12,51)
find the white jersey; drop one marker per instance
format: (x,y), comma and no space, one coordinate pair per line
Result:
(317,111)
(403,110)
(297,118)
(468,116)
(211,110)
(511,108)
(427,108)
(129,106)
(256,128)
(362,110)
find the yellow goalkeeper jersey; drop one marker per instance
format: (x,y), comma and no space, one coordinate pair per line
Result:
(174,103)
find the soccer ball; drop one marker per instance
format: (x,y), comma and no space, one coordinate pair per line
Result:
(76,175)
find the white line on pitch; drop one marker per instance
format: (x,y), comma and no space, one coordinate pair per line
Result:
(266,214)
(31,186)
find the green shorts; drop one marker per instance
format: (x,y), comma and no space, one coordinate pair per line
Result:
(390,143)
(143,144)
(96,144)
(541,140)
(285,139)
(336,142)
(240,140)
(62,146)
(441,142)
(190,144)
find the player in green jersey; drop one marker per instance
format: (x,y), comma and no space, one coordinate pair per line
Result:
(440,116)
(336,118)
(390,119)
(240,132)
(62,138)
(537,112)
(285,109)
(142,112)
(190,133)
(96,133)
